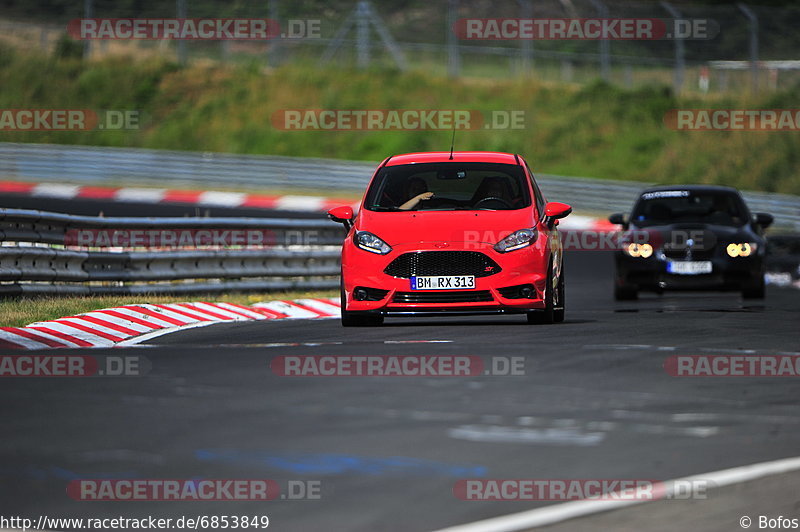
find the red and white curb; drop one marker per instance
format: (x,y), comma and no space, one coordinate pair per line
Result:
(129,323)
(201,198)
(576,222)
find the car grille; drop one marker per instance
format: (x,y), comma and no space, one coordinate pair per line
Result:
(474,263)
(456,296)
(680,253)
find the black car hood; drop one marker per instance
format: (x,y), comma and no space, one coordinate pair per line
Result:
(710,234)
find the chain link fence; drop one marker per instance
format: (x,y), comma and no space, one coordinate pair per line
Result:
(418,35)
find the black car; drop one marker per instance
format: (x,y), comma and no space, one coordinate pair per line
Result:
(691,237)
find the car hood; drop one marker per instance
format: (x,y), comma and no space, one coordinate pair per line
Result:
(716,233)
(443,226)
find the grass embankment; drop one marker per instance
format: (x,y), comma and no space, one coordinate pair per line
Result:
(19,312)
(594,130)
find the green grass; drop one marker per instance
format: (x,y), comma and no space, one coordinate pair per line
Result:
(590,130)
(22,311)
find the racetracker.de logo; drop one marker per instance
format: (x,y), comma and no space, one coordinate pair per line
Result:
(396,366)
(580,29)
(213,29)
(72,365)
(548,489)
(395,119)
(733,119)
(733,365)
(187,237)
(67,119)
(173,490)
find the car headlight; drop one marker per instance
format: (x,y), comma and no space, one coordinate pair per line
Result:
(744,249)
(369,242)
(516,240)
(638,250)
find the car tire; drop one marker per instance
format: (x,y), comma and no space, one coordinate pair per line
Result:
(357,319)
(554,306)
(625,292)
(756,290)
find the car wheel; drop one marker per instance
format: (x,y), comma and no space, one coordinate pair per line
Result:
(554,309)
(357,319)
(754,290)
(625,292)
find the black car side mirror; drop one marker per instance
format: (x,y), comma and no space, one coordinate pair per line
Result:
(763,219)
(619,219)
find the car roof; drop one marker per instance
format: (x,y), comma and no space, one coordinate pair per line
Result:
(709,188)
(458,156)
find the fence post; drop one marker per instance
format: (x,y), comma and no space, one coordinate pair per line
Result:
(526,12)
(180,9)
(275,47)
(605,60)
(751,16)
(453,56)
(88,12)
(362,34)
(680,53)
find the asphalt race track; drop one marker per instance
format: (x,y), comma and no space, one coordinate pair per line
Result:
(595,402)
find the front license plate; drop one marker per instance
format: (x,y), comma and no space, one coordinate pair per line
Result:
(443,282)
(689,268)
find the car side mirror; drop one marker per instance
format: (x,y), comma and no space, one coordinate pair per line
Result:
(555,210)
(763,219)
(618,219)
(342,215)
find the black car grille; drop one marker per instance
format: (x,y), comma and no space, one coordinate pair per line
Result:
(680,253)
(456,296)
(474,263)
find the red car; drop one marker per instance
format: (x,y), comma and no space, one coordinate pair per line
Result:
(452,233)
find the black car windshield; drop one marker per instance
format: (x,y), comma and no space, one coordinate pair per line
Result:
(689,206)
(449,186)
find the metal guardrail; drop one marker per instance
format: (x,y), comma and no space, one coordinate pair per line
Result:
(302,254)
(95,165)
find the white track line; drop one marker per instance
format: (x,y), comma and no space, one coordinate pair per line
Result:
(558,513)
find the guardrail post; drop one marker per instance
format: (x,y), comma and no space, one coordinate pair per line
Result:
(180,9)
(680,61)
(526,12)
(88,12)
(605,49)
(751,16)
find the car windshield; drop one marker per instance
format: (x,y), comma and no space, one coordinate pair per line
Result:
(449,186)
(689,206)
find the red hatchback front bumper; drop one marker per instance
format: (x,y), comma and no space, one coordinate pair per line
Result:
(382,283)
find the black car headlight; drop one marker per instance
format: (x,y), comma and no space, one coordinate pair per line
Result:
(743,249)
(638,250)
(369,242)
